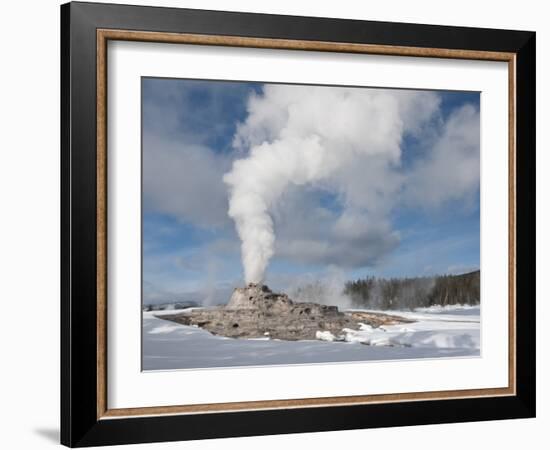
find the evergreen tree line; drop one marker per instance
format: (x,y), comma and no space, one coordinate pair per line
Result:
(411,293)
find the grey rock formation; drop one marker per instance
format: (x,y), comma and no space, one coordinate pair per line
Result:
(255,311)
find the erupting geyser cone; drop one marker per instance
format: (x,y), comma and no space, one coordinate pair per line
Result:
(256,311)
(258,296)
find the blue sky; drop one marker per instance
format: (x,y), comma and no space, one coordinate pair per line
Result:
(420,211)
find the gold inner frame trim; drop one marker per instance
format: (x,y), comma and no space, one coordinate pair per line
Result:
(104,35)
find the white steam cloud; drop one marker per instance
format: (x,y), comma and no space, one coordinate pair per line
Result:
(304,135)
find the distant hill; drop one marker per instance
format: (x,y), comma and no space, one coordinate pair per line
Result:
(169,306)
(411,293)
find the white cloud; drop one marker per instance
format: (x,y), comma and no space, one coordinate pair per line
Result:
(184,180)
(309,233)
(184,124)
(452,169)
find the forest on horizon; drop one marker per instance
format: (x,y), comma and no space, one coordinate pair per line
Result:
(415,292)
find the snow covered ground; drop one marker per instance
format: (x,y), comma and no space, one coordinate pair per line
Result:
(437,333)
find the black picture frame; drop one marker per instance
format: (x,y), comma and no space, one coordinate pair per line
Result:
(80,425)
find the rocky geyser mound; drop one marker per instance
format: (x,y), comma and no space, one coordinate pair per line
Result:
(255,311)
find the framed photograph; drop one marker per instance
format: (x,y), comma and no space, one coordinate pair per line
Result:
(276,224)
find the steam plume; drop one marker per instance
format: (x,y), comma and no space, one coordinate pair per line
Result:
(304,135)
